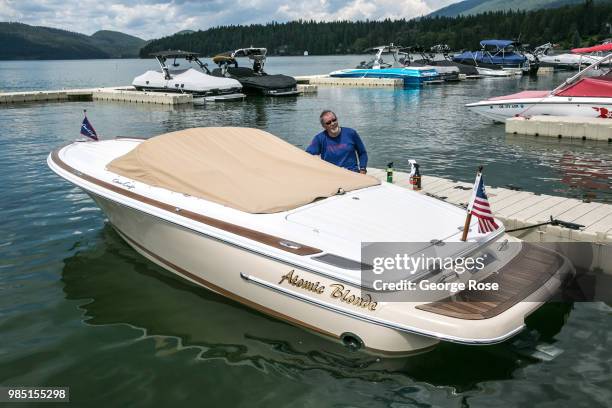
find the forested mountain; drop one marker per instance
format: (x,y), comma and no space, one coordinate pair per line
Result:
(22,41)
(568,26)
(116,44)
(482,6)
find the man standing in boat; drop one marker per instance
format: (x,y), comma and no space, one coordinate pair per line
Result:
(340,146)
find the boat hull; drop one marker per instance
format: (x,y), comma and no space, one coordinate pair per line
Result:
(410,76)
(219,98)
(260,84)
(186,81)
(287,280)
(224,269)
(569,62)
(496,72)
(501,110)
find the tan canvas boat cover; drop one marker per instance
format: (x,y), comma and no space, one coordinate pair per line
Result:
(246,169)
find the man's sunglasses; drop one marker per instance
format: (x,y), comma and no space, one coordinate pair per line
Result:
(329,122)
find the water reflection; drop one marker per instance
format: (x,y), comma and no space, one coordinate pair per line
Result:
(197,345)
(121,287)
(583,172)
(581,169)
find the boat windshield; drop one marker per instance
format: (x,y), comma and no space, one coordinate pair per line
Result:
(391,52)
(190,57)
(596,87)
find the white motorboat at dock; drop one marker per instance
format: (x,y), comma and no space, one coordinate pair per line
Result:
(218,207)
(198,83)
(580,95)
(564,61)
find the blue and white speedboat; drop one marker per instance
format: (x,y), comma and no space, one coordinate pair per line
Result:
(377,68)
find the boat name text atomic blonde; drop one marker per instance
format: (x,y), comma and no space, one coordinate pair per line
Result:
(337,291)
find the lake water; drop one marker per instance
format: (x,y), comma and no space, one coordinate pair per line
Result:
(80,308)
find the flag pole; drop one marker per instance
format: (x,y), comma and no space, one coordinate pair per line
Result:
(468,218)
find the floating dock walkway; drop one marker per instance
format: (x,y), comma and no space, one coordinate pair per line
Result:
(571,127)
(117,93)
(326,80)
(518,209)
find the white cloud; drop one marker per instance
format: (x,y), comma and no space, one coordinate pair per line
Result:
(158,18)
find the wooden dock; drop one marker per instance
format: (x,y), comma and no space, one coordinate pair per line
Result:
(517,209)
(571,127)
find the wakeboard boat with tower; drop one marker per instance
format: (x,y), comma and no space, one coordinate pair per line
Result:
(253,218)
(255,79)
(378,68)
(198,82)
(448,73)
(498,58)
(446,60)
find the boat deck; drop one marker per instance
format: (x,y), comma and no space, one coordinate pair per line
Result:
(517,280)
(517,209)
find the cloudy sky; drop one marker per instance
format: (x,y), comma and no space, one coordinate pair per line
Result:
(157,18)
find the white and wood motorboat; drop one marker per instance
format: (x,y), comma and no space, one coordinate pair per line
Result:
(246,215)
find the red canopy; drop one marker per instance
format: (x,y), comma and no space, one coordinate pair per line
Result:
(595,48)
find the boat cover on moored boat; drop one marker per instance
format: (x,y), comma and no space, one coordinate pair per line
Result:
(246,169)
(248,78)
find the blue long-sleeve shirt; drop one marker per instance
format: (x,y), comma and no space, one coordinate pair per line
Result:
(343,150)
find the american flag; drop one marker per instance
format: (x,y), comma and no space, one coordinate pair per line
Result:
(88,130)
(479,207)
